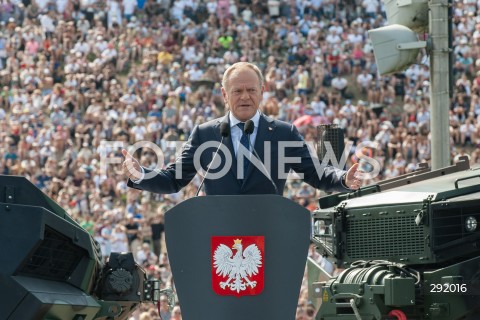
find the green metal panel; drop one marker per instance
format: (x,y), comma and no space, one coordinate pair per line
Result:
(386,233)
(443,301)
(399,291)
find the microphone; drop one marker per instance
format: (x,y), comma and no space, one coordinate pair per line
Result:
(225,132)
(248,130)
(249,127)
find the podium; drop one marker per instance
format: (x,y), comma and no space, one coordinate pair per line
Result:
(198,231)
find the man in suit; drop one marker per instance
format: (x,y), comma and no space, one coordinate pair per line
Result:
(276,140)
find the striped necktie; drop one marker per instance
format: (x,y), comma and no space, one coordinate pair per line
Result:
(244,142)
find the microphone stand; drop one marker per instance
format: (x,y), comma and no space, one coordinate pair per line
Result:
(225,132)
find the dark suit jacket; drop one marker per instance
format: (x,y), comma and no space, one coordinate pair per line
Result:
(255,182)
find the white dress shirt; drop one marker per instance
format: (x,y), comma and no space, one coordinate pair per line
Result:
(236,132)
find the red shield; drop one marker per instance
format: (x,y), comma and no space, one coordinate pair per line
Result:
(238,264)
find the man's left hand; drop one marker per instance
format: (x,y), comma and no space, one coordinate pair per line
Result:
(351,181)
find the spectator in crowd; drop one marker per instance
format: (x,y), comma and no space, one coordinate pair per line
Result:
(119,239)
(145,256)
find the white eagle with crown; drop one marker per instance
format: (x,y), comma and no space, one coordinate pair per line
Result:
(238,268)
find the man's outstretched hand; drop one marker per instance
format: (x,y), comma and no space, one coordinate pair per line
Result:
(131,167)
(351,180)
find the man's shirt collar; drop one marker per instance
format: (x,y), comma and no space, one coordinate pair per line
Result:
(234,121)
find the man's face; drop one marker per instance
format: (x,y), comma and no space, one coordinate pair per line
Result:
(243,93)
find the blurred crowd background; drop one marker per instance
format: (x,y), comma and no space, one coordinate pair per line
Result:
(77,75)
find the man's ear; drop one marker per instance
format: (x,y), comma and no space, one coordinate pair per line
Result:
(224,94)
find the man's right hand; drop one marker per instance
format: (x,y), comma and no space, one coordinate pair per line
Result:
(131,167)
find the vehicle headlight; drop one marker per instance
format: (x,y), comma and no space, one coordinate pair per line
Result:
(319,228)
(471,224)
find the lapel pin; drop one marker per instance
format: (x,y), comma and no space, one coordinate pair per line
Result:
(270,128)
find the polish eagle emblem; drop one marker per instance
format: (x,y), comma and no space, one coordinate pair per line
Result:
(236,270)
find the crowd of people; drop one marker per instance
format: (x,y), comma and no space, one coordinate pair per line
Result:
(80,79)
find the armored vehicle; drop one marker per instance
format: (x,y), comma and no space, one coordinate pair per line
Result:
(51,268)
(406,248)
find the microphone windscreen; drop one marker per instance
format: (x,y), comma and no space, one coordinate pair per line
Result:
(249,126)
(225,129)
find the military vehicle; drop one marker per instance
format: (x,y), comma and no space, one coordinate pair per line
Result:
(52,269)
(405,248)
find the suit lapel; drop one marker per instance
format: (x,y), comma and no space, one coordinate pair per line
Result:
(228,143)
(216,127)
(266,126)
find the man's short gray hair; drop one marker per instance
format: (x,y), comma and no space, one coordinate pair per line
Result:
(239,66)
